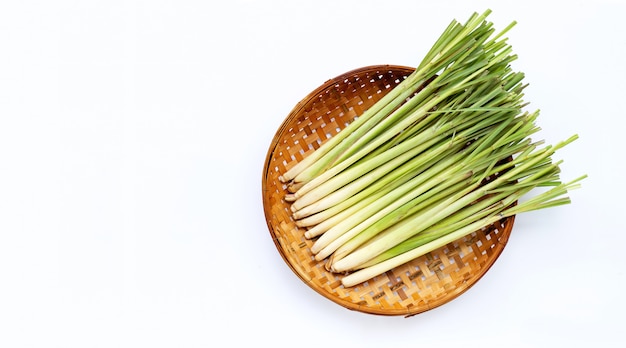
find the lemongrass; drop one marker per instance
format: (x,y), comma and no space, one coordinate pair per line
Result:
(499,198)
(381,207)
(398,212)
(440,211)
(368,214)
(365,274)
(491,205)
(306,216)
(382,204)
(454,36)
(409,148)
(443,154)
(541,201)
(389,126)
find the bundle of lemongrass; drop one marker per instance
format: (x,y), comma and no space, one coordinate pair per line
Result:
(421,169)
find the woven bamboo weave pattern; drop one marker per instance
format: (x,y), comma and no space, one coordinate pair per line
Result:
(417,286)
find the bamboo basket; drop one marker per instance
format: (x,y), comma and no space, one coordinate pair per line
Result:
(415,287)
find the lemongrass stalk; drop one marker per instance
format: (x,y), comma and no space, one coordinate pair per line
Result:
(335,238)
(322,221)
(523,124)
(385,184)
(542,201)
(311,193)
(315,182)
(341,211)
(350,239)
(356,238)
(498,37)
(447,225)
(407,121)
(319,224)
(490,98)
(293,187)
(404,200)
(355,224)
(368,273)
(380,109)
(427,92)
(439,128)
(531,180)
(440,211)
(420,203)
(529,159)
(385,105)
(338,265)
(424,168)
(455,30)
(491,205)
(380,126)
(352,184)
(360,255)
(549,198)
(390,101)
(488,141)
(366,172)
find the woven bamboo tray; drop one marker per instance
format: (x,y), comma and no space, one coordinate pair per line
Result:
(415,287)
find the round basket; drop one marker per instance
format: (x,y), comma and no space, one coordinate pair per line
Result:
(415,287)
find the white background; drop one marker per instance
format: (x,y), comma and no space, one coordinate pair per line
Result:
(132,141)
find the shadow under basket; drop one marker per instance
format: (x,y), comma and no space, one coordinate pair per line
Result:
(415,287)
